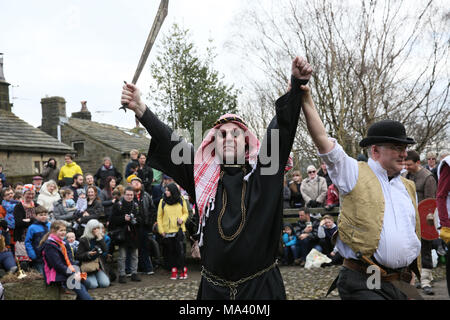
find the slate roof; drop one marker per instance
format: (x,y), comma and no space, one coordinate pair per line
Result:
(18,135)
(120,139)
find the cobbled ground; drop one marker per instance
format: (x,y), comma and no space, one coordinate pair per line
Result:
(300,284)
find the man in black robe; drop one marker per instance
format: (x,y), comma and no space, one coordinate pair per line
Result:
(237,191)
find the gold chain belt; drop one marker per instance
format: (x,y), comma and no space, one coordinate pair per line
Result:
(232,285)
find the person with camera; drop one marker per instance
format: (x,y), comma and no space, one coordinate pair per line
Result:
(91,248)
(145,220)
(124,232)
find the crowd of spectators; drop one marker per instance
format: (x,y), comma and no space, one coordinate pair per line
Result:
(137,215)
(65,222)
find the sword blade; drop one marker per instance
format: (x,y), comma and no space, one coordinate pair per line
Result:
(157,23)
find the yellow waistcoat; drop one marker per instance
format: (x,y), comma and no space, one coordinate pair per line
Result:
(362,212)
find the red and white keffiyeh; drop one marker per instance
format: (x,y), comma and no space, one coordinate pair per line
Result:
(207,166)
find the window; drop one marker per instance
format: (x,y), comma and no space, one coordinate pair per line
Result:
(37,167)
(79,148)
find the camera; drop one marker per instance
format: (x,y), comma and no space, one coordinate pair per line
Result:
(98,249)
(133,220)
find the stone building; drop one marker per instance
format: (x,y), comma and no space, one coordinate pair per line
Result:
(92,141)
(23,148)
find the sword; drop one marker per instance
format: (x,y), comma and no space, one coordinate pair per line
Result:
(157,23)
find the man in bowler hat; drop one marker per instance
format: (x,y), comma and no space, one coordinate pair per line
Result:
(378,227)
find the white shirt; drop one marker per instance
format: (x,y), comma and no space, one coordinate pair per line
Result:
(399,245)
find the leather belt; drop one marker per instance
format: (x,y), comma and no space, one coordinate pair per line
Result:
(395,274)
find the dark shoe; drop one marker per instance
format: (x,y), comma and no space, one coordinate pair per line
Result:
(122,279)
(135,277)
(297,262)
(428,291)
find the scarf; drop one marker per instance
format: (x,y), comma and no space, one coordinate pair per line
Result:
(207,166)
(175,195)
(66,256)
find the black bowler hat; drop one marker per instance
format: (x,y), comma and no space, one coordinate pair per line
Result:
(386,131)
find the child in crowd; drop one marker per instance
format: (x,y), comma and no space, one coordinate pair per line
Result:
(35,233)
(82,201)
(8,203)
(289,245)
(58,260)
(73,243)
(18,196)
(6,256)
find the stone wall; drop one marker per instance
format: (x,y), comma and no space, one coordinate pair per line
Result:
(94,151)
(20,166)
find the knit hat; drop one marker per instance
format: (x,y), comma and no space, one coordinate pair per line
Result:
(81,191)
(130,177)
(28,187)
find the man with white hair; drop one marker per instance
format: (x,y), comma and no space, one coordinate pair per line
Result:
(314,189)
(378,225)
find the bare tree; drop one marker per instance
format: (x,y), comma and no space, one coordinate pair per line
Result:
(373,60)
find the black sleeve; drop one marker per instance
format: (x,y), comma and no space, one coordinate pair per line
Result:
(159,153)
(82,253)
(285,121)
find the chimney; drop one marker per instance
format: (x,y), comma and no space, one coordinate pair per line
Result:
(84,113)
(4,89)
(52,109)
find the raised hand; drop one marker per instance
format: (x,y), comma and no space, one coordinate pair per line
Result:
(301,69)
(131,99)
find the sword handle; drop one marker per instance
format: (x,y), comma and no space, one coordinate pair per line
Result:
(125,105)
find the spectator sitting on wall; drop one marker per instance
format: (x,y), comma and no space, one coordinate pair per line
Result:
(325,231)
(8,203)
(50,171)
(7,261)
(296,195)
(17,187)
(134,159)
(78,183)
(48,196)
(107,170)
(314,189)
(89,179)
(306,231)
(69,170)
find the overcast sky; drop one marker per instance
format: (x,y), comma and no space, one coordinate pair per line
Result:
(83,50)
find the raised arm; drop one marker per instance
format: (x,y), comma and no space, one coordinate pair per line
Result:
(314,124)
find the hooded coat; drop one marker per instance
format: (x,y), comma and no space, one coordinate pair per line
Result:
(46,198)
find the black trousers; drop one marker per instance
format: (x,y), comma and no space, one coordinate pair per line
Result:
(174,252)
(425,251)
(352,285)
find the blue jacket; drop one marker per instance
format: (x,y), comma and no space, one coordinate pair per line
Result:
(35,234)
(289,240)
(54,260)
(9,207)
